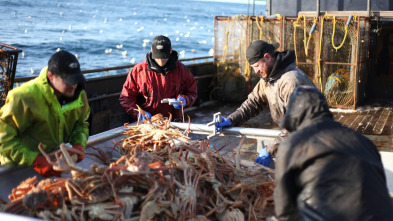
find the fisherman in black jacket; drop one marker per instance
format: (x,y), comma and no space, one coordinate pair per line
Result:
(324,170)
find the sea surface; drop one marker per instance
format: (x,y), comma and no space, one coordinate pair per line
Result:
(107,33)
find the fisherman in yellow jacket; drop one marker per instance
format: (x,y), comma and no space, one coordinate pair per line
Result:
(51,109)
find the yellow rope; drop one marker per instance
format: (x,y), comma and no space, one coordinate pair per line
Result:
(295,24)
(319,54)
(305,35)
(338,79)
(306,41)
(334,29)
(226,42)
(247,70)
(334,98)
(306,45)
(260,27)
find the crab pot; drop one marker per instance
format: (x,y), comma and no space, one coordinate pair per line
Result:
(8,61)
(338,52)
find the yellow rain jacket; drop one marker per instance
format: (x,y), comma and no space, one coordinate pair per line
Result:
(32,114)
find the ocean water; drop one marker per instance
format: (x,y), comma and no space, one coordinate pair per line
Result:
(104,33)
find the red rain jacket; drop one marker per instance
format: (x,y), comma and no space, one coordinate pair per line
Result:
(147,88)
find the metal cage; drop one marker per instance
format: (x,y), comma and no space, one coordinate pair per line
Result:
(8,62)
(327,49)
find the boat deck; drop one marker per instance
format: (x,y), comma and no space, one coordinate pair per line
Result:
(372,121)
(375,121)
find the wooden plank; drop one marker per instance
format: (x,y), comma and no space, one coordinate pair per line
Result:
(389,123)
(368,127)
(366,121)
(349,118)
(357,122)
(338,116)
(375,113)
(380,124)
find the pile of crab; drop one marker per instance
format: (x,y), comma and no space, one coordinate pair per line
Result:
(162,175)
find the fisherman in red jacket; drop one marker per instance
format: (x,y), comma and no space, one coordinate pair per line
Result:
(160,76)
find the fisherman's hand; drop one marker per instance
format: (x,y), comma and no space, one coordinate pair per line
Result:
(80,156)
(179,105)
(263,158)
(225,122)
(42,166)
(142,117)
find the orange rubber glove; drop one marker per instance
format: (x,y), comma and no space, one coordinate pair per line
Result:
(42,166)
(80,148)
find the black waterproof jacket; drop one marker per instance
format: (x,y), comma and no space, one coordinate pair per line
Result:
(324,170)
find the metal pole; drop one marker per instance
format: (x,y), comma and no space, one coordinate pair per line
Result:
(248,8)
(368,7)
(248,132)
(268,7)
(253,8)
(256,133)
(106,135)
(101,137)
(318,7)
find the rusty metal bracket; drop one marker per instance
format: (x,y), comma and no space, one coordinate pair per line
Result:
(216,117)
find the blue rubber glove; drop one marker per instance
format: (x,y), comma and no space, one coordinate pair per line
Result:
(263,158)
(178,105)
(142,117)
(225,122)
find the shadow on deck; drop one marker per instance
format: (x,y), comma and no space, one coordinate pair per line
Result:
(375,122)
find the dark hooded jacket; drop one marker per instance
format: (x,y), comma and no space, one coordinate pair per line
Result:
(324,170)
(274,90)
(148,83)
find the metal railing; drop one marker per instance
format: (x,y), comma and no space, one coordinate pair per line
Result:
(127,67)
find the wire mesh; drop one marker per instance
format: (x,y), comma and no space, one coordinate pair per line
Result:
(339,61)
(326,50)
(232,83)
(8,62)
(305,44)
(235,78)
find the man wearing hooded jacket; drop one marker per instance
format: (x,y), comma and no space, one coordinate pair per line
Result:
(160,76)
(279,77)
(324,170)
(49,110)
